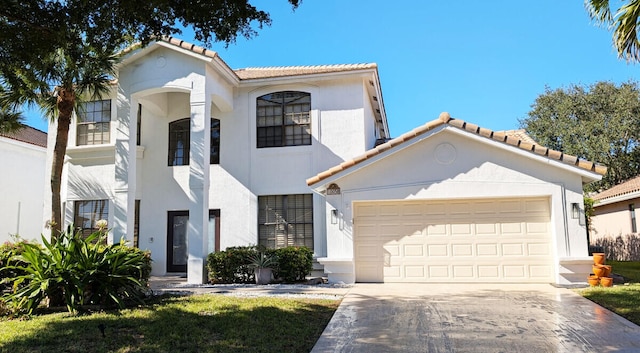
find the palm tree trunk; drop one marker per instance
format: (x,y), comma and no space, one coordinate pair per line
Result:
(65,104)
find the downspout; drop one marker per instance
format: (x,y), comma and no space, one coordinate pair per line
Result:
(565,220)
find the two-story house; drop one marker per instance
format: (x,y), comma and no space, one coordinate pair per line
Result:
(188,156)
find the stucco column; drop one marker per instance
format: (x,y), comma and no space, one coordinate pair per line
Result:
(198,186)
(125,169)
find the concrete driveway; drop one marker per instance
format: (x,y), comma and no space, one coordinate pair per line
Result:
(473,318)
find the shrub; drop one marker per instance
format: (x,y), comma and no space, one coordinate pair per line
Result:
(237,264)
(294,263)
(74,270)
(232,265)
(9,253)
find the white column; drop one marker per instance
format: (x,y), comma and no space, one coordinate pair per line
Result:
(198,186)
(125,170)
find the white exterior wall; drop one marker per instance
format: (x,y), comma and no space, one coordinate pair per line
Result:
(480,170)
(22,186)
(171,84)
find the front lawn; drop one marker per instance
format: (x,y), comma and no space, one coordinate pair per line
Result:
(622,299)
(199,323)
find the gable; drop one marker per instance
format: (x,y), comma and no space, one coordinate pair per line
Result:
(518,149)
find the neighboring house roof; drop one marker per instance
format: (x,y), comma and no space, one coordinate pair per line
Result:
(512,137)
(624,191)
(28,135)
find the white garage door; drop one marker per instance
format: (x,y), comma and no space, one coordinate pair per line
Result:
(497,240)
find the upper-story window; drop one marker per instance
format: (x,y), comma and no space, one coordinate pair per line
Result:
(180,139)
(215,142)
(94,120)
(283,119)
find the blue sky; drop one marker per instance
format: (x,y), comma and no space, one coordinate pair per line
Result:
(482,61)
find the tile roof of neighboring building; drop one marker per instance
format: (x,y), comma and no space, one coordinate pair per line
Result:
(282,71)
(629,186)
(269,72)
(512,137)
(28,135)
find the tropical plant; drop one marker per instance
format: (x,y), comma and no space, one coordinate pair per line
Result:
(263,260)
(55,54)
(624,22)
(78,270)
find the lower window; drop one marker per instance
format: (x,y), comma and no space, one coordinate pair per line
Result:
(285,220)
(87,213)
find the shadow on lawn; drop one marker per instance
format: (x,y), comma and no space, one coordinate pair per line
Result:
(168,326)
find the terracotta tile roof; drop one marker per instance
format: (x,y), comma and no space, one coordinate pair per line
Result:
(282,71)
(28,135)
(507,137)
(252,73)
(520,134)
(629,186)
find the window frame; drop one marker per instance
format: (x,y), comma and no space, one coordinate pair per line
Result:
(214,151)
(172,159)
(278,227)
(279,117)
(101,205)
(86,118)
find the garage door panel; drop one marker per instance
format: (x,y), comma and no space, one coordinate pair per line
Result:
(487,249)
(512,249)
(459,250)
(483,229)
(437,250)
(461,229)
(454,241)
(437,230)
(413,250)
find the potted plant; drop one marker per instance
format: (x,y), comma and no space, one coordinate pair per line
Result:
(262,264)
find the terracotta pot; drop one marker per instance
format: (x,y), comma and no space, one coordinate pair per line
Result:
(598,258)
(598,270)
(593,281)
(606,281)
(607,270)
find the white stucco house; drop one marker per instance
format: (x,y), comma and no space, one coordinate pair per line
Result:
(188,156)
(23,155)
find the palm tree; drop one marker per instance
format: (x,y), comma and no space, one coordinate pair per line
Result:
(57,84)
(10,120)
(624,23)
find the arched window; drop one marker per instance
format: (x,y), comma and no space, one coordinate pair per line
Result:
(179,141)
(283,119)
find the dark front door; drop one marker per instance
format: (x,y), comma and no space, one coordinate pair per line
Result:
(177,253)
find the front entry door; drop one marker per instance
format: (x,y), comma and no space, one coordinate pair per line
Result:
(177,253)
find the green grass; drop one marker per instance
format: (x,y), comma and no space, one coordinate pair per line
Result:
(201,323)
(623,300)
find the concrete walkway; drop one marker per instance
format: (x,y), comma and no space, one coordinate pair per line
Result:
(176,284)
(473,318)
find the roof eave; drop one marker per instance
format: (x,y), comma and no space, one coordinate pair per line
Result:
(617,198)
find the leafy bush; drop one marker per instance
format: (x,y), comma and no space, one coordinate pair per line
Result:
(74,270)
(232,265)
(236,264)
(294,263)
(9,252)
